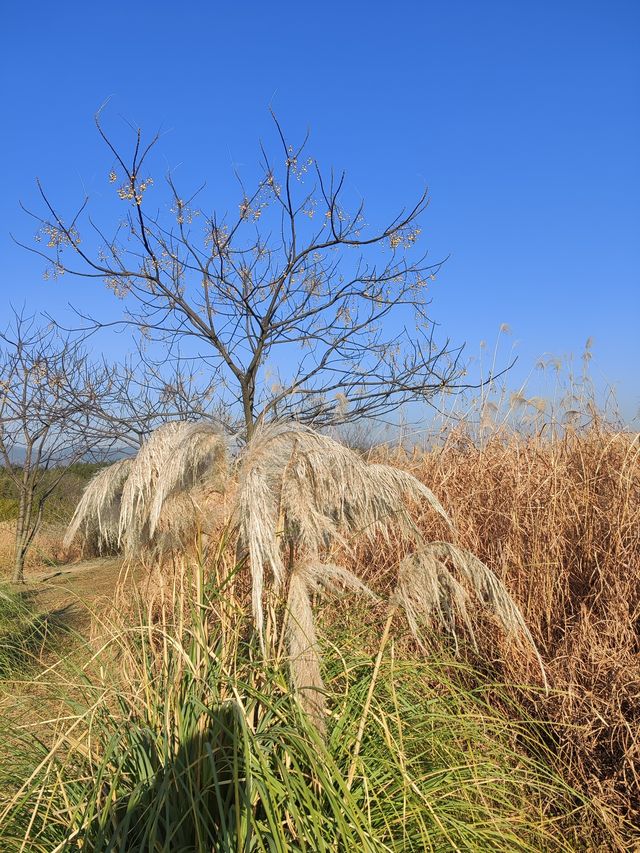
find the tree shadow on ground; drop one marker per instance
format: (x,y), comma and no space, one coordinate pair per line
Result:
(192,799)
(26,634)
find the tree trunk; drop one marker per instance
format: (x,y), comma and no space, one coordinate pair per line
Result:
(248,396)
(26,529)
(18,564)
(22,538)
(22,523)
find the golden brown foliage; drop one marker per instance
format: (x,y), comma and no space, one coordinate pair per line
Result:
(559,522)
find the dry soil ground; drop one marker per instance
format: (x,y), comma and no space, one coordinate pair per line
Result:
(65,593)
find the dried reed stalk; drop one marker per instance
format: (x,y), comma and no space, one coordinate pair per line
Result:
(98,511)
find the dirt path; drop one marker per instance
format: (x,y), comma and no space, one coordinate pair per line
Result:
(64,598)
(67,594)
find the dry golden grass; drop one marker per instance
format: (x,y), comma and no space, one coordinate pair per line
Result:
(47,549)
(559,523)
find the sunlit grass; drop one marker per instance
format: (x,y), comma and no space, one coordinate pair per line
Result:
(175,735)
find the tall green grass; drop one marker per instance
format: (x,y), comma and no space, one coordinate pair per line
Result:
(174,735)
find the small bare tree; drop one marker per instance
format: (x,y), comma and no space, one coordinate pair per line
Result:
(49,393)
(57,407)
(294,303)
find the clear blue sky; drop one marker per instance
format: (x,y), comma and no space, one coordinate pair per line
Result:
(523,118)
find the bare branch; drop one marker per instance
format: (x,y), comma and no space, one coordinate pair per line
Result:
(295,286)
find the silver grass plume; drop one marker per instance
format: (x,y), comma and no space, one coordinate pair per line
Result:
(199,455)
(302,642)
(429,593)
(141,484)
(98,510)
(304,657)
(302,489)
(177,456)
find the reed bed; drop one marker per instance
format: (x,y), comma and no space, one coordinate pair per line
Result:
(559,522)
(543,526)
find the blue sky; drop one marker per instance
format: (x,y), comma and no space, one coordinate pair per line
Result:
(522,118)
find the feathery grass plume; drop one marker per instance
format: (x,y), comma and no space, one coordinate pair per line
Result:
(176,457)
(98,511)
(143,478)
(199,454)
(185,513)
(302,643)
(300,489)
(428,592)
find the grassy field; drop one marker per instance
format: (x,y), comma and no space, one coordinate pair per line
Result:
(154,725)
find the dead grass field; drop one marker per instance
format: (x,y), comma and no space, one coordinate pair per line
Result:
(559,522)
(47,549)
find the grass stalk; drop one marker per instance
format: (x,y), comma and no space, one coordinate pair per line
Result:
(367,702)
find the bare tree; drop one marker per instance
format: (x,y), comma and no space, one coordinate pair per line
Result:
(294,303)
(49,392)
(57,406)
